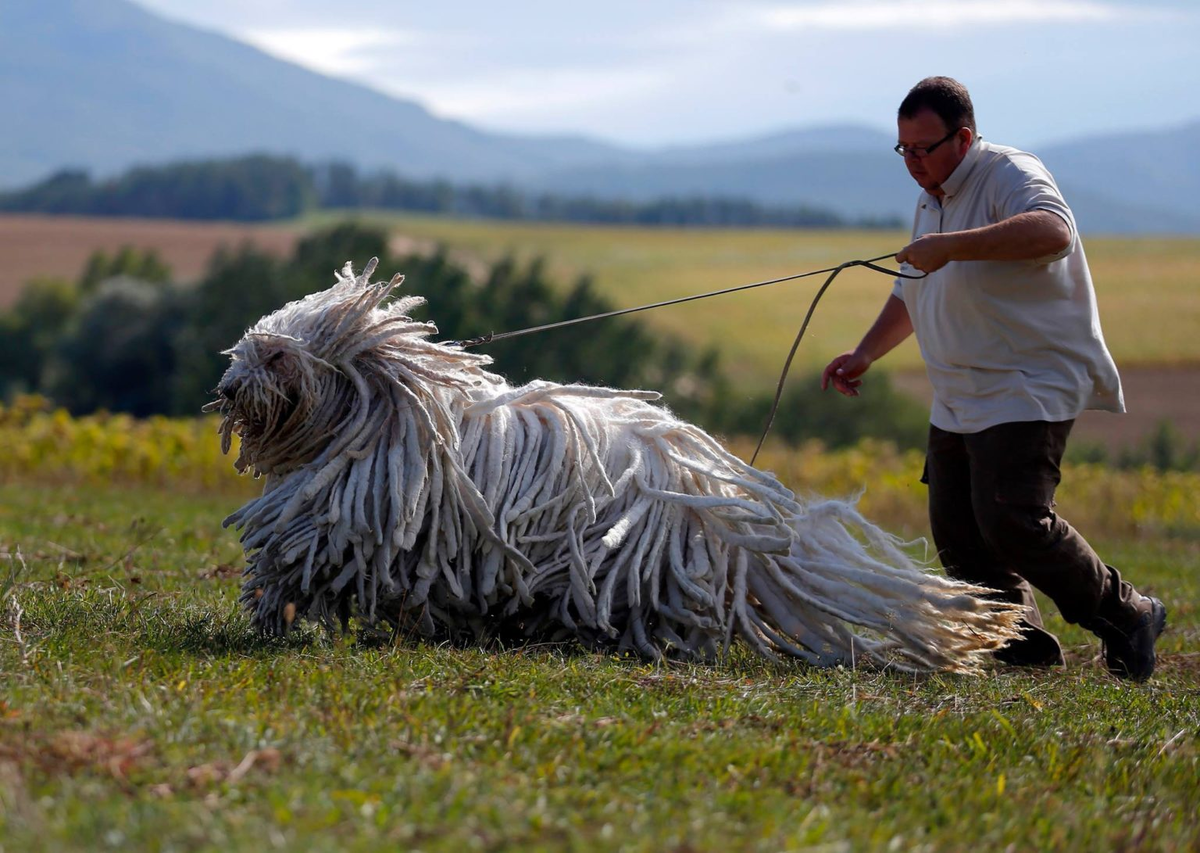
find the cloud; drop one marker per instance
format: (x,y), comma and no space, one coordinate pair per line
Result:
(941,14)
(536,93)
(459,73)
(340,52)
(679,70)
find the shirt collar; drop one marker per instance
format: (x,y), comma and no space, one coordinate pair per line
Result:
(958,177)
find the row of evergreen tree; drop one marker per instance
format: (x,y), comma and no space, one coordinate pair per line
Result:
(124,336)
(264,187)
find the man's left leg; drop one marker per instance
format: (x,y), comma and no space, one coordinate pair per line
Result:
(967,557)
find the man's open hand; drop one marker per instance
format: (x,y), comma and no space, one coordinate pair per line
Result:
(844,371)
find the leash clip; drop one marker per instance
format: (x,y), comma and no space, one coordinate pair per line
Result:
(471,342)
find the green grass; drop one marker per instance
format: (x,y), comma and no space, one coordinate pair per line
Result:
(1135,278)
(139,711)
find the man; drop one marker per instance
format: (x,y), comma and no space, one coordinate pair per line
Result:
(1007,325)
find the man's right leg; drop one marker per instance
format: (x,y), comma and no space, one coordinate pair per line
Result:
(1014,473)
(965,554)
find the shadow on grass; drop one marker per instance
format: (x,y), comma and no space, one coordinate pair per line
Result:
(111,619)
(113,623)
(229,633)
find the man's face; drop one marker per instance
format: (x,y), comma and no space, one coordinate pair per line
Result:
(923,130)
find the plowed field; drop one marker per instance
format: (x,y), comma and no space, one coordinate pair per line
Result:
(33,246)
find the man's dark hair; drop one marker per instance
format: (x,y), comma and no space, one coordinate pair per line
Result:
(947,98)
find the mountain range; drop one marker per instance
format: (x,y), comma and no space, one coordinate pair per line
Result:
(105,84)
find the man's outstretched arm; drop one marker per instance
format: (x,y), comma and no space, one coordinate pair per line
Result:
(1029,235)
(891,327)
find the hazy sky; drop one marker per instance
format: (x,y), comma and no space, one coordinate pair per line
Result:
(649,72)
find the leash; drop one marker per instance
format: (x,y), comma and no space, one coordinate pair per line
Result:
(787,365)
(833,273)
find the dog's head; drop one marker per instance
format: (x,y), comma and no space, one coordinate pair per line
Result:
(310,370)
(291,379)
(267,395)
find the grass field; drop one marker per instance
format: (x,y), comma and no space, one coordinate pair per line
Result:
(139,711)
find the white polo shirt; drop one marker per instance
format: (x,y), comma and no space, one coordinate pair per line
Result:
(1007,341)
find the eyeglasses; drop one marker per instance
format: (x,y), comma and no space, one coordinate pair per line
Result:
(920,151)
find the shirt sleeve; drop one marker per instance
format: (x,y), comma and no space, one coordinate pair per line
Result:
(1024,185)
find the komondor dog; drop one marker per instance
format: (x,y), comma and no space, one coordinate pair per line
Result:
(406,484)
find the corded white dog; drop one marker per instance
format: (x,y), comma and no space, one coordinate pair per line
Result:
(407,484)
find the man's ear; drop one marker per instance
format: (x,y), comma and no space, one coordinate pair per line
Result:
(965,138)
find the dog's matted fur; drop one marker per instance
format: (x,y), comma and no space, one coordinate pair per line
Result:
(407,484)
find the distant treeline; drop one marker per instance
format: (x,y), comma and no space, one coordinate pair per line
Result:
(263,187)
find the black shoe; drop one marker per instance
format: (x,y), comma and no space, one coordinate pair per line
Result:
(1035,647)
(1130,653)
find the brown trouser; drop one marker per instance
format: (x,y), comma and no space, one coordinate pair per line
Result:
(991,507)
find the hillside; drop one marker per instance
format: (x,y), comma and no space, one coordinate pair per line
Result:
(1135,183)
(103,85)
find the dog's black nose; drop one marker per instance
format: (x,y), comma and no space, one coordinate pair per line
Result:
(230,390)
